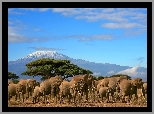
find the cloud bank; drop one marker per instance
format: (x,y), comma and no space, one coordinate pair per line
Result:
(133,72)
(46,49)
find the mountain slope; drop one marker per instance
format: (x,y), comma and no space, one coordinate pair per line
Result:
(106,69)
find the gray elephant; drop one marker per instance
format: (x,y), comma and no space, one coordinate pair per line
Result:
(45,88)
(65,90)
(83,80)
(16,90)
(88,88)
(20,89)
(104,82)
(125,89)
(37,93)
(104,92)
(30,85)
(137,87)
(55,83)
(145,89)
(12,91)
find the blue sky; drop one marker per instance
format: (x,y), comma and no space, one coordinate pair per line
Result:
(101,35)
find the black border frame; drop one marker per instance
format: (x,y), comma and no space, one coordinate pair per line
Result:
(6,5)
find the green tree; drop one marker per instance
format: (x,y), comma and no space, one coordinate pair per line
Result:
(100,77)
(118,75)
(12,76)
(94,77)
(47,68)
(15,81)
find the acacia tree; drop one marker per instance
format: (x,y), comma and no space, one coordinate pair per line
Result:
(13,77)
(47,68)
(118,75)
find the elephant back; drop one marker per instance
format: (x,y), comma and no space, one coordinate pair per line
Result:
(31,83)
(125,87)
(45,86)
(21,88)
(137,82)
(104,82)
(12,89)
(10,82)
(145,87)
(22,82)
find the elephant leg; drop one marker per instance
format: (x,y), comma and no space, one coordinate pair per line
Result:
(23,97)
(16,97)
(9,96)
(28,94)
(60,99)
(69,98)
(87,94)
(19,95)
(102,98)
(75,93)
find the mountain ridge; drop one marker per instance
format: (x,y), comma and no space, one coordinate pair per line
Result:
(18,66)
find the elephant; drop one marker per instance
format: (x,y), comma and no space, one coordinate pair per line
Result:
(88,87)
(112,83)
(55,83)
(30,85)
(95,83)
(145,89)
(10,82)
(36,94)
(125,89)
(86,78)
(66,90)
(16,90)
(20,89)
(12,90)
(117,92)
(137,87)
(104,92)
(104,82)
(45,88)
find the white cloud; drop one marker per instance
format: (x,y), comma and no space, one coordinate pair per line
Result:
(105,10)
(111,72)
(91,37)
(11,11)
(14,36)
(121,25)
(43,9)
(36,9)
(133,72)
(46,49)
(115,18)
(96,73)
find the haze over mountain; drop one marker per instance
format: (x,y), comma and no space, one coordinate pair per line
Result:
(98,69)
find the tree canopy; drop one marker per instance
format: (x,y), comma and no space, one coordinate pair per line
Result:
(47,68)
(12,76)
(118,75)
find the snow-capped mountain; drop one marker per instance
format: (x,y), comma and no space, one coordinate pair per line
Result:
(100,69)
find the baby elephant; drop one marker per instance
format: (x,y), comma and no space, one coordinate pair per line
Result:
(36,94)
(104,92)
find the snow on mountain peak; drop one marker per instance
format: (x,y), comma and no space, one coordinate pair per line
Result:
(45,54)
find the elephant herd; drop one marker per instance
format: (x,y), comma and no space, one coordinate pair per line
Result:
(108,89)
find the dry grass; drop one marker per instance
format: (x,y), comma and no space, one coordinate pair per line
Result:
(141,102)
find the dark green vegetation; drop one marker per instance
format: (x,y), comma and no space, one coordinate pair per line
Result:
(47,68)
(13,77)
